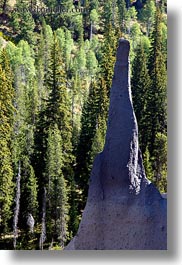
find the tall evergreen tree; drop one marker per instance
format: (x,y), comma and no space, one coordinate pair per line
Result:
(88,128)
(93,129)
(58,109)
(23,22)
(57,196)
(73,221)
(159,162)
(122,11)
(55,112)
(147,15)
(99,137)
(140,83)
(23,133)
(29,193)
(6,128)
(156,106)
(42,62)
(109,56)
(155,113)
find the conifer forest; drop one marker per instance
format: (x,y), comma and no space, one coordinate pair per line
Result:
(56,67)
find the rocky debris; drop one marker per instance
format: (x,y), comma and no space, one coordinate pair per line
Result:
(30,222)
(124,210)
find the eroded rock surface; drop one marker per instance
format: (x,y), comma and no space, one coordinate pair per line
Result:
(124,210)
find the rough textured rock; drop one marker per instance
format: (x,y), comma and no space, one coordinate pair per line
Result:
(124,210)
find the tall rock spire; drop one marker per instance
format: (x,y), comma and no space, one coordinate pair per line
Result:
(124,210)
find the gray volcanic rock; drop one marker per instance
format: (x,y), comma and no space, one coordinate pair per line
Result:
(123,210)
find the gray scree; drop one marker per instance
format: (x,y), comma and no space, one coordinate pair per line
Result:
(124,210)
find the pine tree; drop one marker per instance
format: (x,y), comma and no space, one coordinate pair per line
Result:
(148,165)
(94,4)
(131,16)
(88,128)
(122,11)
(155,110)
(42,62)
(159,162)
(93,128)
(60,34)
(29,192)
(57,196)
(25,101)
(156,106)
(38,157)
(107,14)
(78,29)
(15,23)
(140,84)
(69,44)
(6,127)
(93,20)
(80,60)
(108,56)
(26,22)
(47,42)
(73,221)
(58,109)
(92,63)
(99,137)
(135,35)
(147,15)
(66,44)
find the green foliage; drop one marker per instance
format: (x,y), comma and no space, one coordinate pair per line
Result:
(108,56)
(149,96)
(147,15)
(131,16)
(99,139)
(80,60)
(122,14)
(160,162)
(58,109)
(29,190)
(140,84)
(22,62)
(6,127)
(54,101)
(91,63)
(73,222)
(156,166)
(157,93)
(6,185)
(148,164)
(23,22)
(146,44)
(94,16)
(164,38)
(66,46)
(78,28)
(88,128)
(93,129)
(57,197)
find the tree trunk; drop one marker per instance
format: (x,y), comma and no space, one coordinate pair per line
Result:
(17,206)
